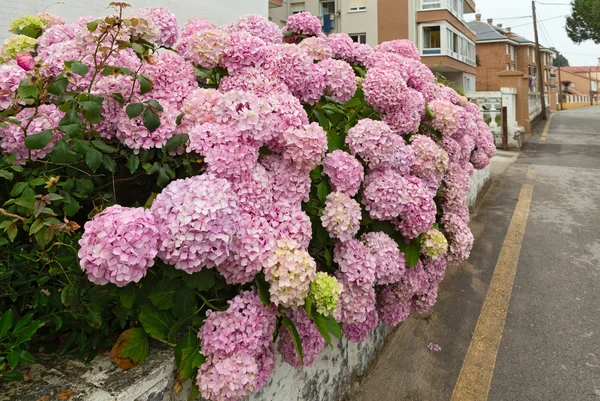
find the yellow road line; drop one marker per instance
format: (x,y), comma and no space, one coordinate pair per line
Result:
(546,129)
(531,174)
(475,376)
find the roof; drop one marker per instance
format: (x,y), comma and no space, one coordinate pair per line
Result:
(580,70)
(488,33)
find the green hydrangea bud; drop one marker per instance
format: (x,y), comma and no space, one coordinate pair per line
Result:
(17,45)
(434,244)
(27,25)
(325,293)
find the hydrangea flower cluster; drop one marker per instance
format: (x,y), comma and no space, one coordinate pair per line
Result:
(341,216)
(238,349)
(119,245)
(264,154)
(325,293)
(312,341)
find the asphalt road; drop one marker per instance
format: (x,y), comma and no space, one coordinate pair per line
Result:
(550,344)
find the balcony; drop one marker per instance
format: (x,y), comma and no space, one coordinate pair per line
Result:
(443,39)
(275,3)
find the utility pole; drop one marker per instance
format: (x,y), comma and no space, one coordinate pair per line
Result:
(591,89)
(540,69)
(559,81)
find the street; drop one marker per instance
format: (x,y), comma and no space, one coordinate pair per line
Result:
(519,320)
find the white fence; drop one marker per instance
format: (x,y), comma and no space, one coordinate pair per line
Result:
(535,105)
(490,106)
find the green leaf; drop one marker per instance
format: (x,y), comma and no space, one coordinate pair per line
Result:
(13,358)
(176,141)
(333,327)
(179,324)
(179,118)
(13,376)
(133,162)
(131,348)
(7,175)
(91,26)
(295,337)
(79,68)
(63,154)
(73,130)
(429,113)
(6,322)
(189,340)
(194,392)
(139,49)
(323,189)
(156,323)
(26,357)
(185,302)
(57,322)
(263,289)
(127,296)
(134,109)
(94,319)
(191,358)
(91,111)
(27,91)
(118,97)
(411,252)
(36,226)
(145,83)
(322,119)
(202,280)
(12,232)
(93,159)
(59,86)
(308,306)
(109,163)
(155,104)
(18,188)
(151,120)
(322,327)
(163,294)
(80,146)
(68,294)
(163,178)
(103,146)
(334,141)
(38,141)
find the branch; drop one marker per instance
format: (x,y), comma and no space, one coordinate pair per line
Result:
(14,216)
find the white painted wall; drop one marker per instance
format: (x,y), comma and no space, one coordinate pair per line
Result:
(216,11)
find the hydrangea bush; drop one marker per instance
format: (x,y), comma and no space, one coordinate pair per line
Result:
(230,191)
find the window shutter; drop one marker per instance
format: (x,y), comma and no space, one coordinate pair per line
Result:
(358,4)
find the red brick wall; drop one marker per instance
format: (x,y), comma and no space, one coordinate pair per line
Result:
(493,60)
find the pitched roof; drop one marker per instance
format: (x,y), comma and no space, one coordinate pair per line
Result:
(581,70)
(487,32)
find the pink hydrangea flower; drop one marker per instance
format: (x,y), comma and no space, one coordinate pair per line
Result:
(162,22)
(205,48)
(26,62)
(305,146)
(445,117)
(289,271)
(385,195)
(431,161)
(393,305)
(390,262)
(244,50)
(403,47)
(51,20)
(256,80)
(312,341)
(197,107)
(13,138)
(361,53)
(356,262)
(257,26)
(356,303)
(118,245)
(317,48)
(384,89)
(10,77)
(252,243)
(191,26)
(289,221)
(341,216)
(460,238)
(340,82)
(228,378)
(345,172)
(342,46)
(359,332)
(246,326)
(133,134)
(303,23)
(418,209)
(172,78)
(197,220)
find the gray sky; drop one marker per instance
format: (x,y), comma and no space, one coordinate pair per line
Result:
(508,12)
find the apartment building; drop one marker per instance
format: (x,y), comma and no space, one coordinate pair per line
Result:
(578,83)
(437,27)
(500,49)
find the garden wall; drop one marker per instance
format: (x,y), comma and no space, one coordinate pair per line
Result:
(328,379)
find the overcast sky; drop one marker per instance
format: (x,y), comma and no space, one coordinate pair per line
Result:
(511,13)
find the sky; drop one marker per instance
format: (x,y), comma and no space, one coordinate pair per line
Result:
(517,14)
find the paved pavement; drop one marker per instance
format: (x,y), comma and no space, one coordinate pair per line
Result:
(549,348)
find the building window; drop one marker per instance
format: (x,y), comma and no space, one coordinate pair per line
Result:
(328,13)
(359,38)
(507,67)
(507,50)
(430,4)
(512,53)
(296,8)
(460,48)
(456,6)
(358,5)
(431,40)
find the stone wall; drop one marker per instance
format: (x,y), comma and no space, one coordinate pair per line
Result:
(328,380)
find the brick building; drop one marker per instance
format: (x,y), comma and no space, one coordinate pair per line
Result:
(500,49)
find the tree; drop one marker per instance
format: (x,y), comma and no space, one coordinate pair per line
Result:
(584,22)
(560,60)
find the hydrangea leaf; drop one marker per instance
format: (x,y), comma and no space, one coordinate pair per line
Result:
(39,140)
(156,323)
(131,348)
(287,322)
